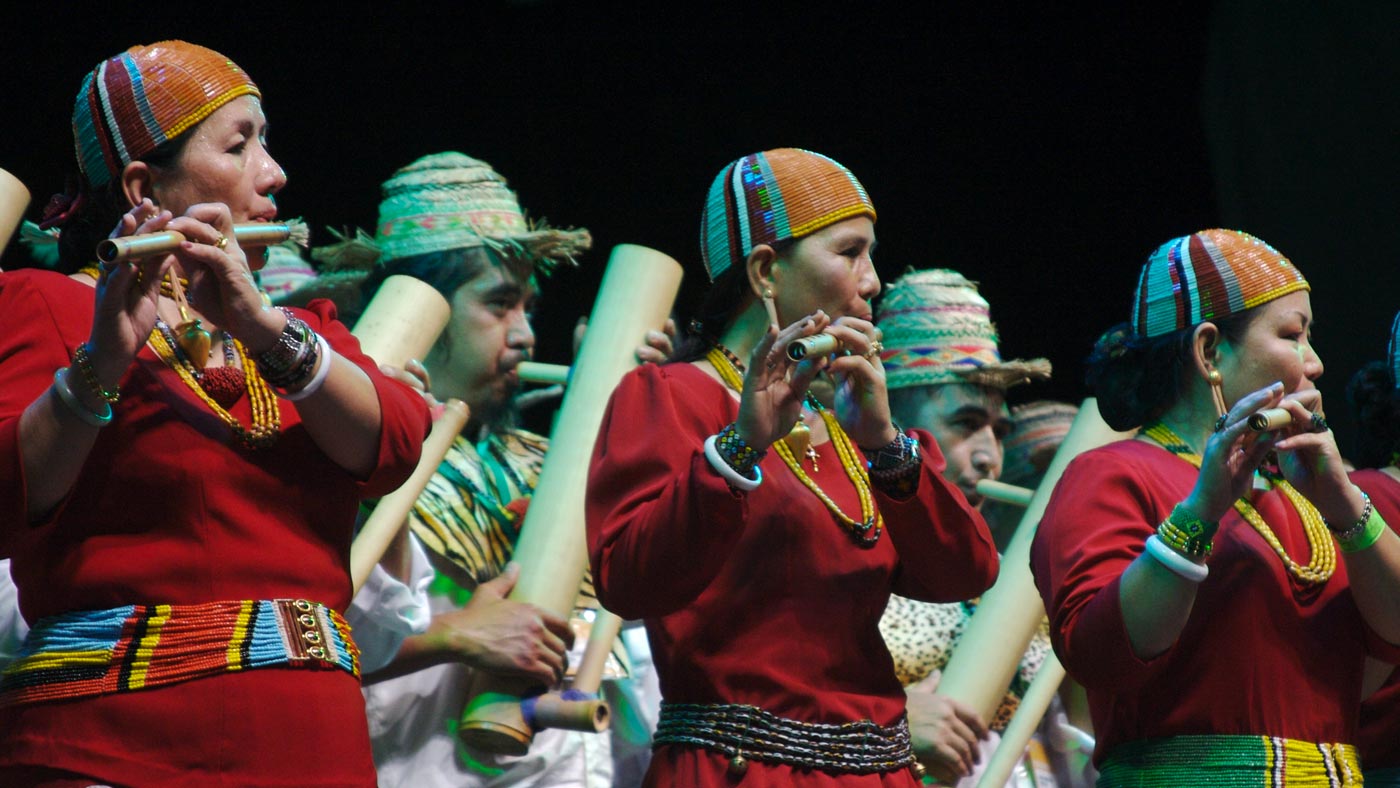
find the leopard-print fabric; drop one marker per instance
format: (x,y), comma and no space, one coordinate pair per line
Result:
(922,635)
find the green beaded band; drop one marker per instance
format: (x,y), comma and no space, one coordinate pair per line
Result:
(1186,533)
(83,362)
(1365,532)
(736,453)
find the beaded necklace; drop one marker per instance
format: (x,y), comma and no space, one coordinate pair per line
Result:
(1324,553)
(865,531)
(266,421)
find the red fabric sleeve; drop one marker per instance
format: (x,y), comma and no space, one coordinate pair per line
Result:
(404,420)
(1095,525)
(659,517)
(1384,492)
(946,552)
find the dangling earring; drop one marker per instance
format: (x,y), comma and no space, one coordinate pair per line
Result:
(1217,393)
(771,307)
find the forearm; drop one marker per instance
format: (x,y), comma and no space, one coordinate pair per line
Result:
(54,444)
(1374,574)
(343,416)
(1156,604)
(417,653)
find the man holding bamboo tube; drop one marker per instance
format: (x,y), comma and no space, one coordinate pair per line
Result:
(450,221)
(946,375)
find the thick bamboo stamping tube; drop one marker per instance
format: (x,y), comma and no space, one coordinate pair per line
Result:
(1005,493)
(402,321)
(601,637)
(392,510)
(1023,723)
(980,670)
(638,289)
(14,198)
(134,247)
(535,372)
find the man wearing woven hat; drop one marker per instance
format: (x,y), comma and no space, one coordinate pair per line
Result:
(945,374)
(449,220)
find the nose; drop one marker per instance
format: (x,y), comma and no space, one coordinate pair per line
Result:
(271,176)
(521,334)
(1312,363)
(869,278)
(986,454)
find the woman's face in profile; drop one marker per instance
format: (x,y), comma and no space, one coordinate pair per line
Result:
(1276,346)
(832,269)
(226,161)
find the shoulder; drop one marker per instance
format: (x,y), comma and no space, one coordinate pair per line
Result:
(28,283)
(44,302)
(681,382)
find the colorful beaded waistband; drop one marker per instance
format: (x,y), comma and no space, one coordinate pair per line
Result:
(1270,761)
(748,732)
(96,652)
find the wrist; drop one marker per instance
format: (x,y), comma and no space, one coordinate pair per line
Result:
(266,331)
(1353,506)
(882,439)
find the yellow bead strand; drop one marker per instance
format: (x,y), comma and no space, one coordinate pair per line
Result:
(267,420)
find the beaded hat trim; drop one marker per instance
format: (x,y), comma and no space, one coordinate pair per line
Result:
(772,196)
(1209,275)
(132,103)
(1393,352)
(938,329)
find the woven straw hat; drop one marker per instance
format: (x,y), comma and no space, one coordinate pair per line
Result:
(451,201)
(132,103)
(772,196)
(938,329)
(1039,429)
(1209,275)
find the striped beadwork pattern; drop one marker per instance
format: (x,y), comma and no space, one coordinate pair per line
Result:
(1393,353)
(132,103)
(1269,761)
(1209,275)
(135,647)
(772,196)
(1038,429)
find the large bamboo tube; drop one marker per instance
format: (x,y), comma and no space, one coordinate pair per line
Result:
(402,321)
(638,289)
(601,637)
(980,670)
(1023,723)
(389,515)
(14,198)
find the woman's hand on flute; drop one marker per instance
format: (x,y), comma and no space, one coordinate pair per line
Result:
(127,295)
(1231,456)
(862,404)
(222,288)
(774,385)
(1311,462)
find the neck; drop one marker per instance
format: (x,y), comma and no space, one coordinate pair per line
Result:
(747,330)
(1192,420)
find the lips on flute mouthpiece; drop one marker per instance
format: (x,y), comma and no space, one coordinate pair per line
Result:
(135,247)
(815,345)
(1271,419)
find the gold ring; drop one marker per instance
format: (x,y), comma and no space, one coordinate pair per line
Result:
(221,243)
(875,348)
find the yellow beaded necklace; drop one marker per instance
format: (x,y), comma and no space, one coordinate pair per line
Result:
(865,531)
(1324,553)
(267,421)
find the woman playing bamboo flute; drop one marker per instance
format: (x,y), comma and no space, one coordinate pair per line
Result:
(737,515)
(1216,589)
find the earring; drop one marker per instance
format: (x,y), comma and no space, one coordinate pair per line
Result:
(1217,392)
(770,306)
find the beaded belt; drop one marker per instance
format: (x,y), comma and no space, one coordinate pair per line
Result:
(743,732)
(96,652)
(1270,761)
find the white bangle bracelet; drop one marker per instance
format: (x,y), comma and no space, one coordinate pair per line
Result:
(65,393)
(1176,562)
(323,368)
(730,475)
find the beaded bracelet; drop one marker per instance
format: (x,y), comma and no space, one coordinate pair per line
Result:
(84,364)
(724,469)
(70,400)
(290,351)
(322,351)
(1186,533)
(900,451)
(1363,533)
(1176,562)
(740,456)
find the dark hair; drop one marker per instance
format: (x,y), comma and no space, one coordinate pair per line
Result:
(104,207)
(1376,402)
(446,270)
(719,307)
(1137,378)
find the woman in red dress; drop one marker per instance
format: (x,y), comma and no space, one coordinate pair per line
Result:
(180,465)
(760,532)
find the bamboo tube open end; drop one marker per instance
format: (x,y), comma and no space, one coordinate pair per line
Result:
(495,738)
(589,716)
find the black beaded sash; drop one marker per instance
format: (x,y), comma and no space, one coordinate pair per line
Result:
(748,732)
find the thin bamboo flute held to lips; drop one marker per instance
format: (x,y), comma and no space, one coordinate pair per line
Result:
(134,247)
(14,198)
(1005,493)
(401,323)
(980,670)
(638,288)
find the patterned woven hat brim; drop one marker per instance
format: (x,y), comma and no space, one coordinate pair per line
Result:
(772,196)
(1209,275)
(937,329)
(449,200)
(133,103)
(1039,428)
(1393,352)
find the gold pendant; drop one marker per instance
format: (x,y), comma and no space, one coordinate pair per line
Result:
(799,439)
(195,341)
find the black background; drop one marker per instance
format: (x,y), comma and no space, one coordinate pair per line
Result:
(1042,151)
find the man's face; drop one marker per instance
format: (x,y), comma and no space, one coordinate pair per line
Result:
(969,422)
(487,337)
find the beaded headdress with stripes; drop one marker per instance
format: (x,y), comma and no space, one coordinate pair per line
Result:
(772,196)
(938,329)
(1392,355)
(1209,275)
(132,103)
